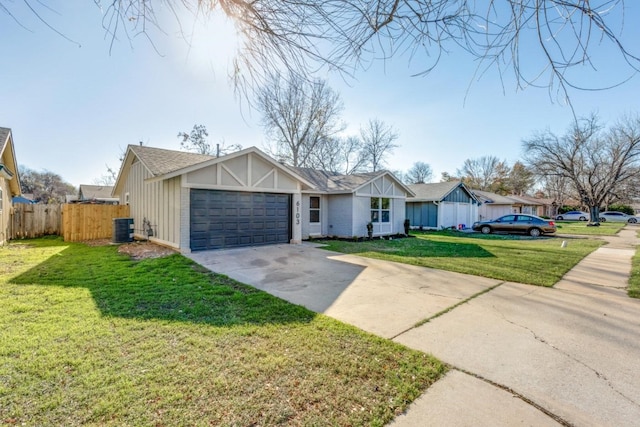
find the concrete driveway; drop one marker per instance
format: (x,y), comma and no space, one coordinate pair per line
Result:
(521,354)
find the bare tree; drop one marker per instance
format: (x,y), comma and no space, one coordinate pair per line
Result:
(107,179)
(196,140)
(487,173)
(378,142)
(553,36)
(299,116)
(338,155)
(597,162)
(520,180)
(419,173)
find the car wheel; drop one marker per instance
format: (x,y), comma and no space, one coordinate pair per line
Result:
(633,220)
(583,218)
(603,219)
(559,218)
(485,229)
(534,232)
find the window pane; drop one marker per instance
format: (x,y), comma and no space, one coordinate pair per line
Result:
(375,203)
(385,203)
(314,202)
(314,215)
(385,216)
(374,216)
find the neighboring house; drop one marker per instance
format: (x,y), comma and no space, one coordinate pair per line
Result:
(442,205)
(96,194)
(525,205)
(542,206)
(493,205)
(9,181)
(194,202)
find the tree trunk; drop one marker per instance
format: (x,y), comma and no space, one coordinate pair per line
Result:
(594,213)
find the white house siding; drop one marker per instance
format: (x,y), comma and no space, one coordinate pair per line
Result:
(454,214)
(488,211)
(386,187)
(158,202)
(340,214)
(399,215)
(5,210)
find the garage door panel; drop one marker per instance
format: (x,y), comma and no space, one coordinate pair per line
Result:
(222,219)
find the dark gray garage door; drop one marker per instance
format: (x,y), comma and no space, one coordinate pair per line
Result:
(225,219)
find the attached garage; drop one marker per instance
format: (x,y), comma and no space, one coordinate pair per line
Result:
(226,219)
(441,205)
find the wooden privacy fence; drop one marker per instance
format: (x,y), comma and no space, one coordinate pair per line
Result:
(29,221)
(90,222)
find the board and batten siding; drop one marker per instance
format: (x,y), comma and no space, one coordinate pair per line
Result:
(158,202)
(386,187)
(5,209)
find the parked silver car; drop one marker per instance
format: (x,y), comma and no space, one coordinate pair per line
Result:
(617,217)
(573,216)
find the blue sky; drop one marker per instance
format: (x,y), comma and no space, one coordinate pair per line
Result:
(74,106)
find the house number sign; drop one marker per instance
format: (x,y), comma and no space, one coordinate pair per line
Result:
(297,212)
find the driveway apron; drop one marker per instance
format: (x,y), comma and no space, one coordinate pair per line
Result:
(526,355)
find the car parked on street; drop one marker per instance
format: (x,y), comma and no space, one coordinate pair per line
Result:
(573,216)
(617,217)
(516,223)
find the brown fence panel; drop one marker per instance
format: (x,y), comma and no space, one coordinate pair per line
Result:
(29,221)
(90,222)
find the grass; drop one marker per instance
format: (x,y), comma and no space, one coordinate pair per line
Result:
(580,228)
(90,337)
(509,258)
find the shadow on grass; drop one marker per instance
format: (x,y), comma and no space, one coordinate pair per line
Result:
(172,288)
(412,248)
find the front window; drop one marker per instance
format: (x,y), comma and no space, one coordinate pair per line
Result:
(380,209)
(314,209)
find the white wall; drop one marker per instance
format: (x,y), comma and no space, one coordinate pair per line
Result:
(340,214)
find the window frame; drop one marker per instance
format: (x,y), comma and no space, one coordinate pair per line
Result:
(314,210)
(379,213)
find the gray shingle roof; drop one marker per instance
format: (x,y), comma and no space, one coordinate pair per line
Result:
(433,192)
(331,182)
(160,161)
(90,192)
(493,198)
(4,137)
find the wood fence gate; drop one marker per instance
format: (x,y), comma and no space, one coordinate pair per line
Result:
(90,222)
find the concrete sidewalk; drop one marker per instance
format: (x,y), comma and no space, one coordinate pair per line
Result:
(567,355)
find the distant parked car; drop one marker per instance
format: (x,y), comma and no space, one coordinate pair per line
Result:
(617,217)
(573,216)
(516,223)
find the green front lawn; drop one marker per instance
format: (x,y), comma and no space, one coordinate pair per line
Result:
(581,228)
(510,258)
(90,337)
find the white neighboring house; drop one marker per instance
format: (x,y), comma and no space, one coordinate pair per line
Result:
(195,202)
(9,181)
(442,205)
(493,205)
